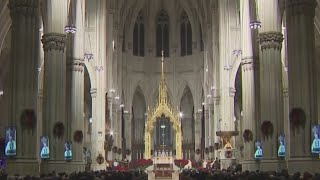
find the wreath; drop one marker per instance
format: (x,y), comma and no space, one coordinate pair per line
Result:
(28,119)
(119,150)
(267,128)
(78,136)
(128,152)
(247,135)
(100,159)
(216,146)
(197,151)
(114,149)
(211,149)
(206,150)
(297,117)
(58,130)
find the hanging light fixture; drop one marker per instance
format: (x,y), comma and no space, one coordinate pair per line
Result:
(88,55)
(255,24)
(70,27)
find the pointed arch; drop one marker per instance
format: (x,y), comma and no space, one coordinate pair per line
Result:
(185,35)
(138,123)
(187,122)
(139,35)
(162,33)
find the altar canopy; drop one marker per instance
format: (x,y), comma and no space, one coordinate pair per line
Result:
(163,108)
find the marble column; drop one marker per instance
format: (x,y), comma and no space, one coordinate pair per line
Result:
(248,87)
(226,90)
(54,103)
(128,133)
(24,83)
(270,71)
(76,85)
(302,79)
(197,134)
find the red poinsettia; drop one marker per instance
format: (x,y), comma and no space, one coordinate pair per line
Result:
(181,162)
(141,163)
(247,135)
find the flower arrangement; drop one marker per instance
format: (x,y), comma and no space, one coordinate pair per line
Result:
(128,152)
(267,128)
(115,149)
(181,162)
(28,119)
(78,136)
(100,159)
(141,163)
(206,150)
(211,149)
(197,151)
(297,117)
(247,135)
(58,130)
(119,150)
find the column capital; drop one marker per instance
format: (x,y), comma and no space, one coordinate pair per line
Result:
(76,65)
(232,92)
(53,41)
(23,7)
(297,7)
(270,40)
(247,63)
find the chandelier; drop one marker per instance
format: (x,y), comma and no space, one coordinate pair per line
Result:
(255,24)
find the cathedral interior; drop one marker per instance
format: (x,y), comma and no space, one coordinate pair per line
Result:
(85,83)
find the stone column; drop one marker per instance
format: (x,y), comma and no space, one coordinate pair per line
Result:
(197,134)
(76,85)
(24,84)
(128,134)
(302,79)
(54,103)
(248,87)
(226,90)
(217,120)
(270,66)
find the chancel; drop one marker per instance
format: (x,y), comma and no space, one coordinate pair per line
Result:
(159,87)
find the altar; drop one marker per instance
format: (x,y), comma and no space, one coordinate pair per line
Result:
(163,160)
